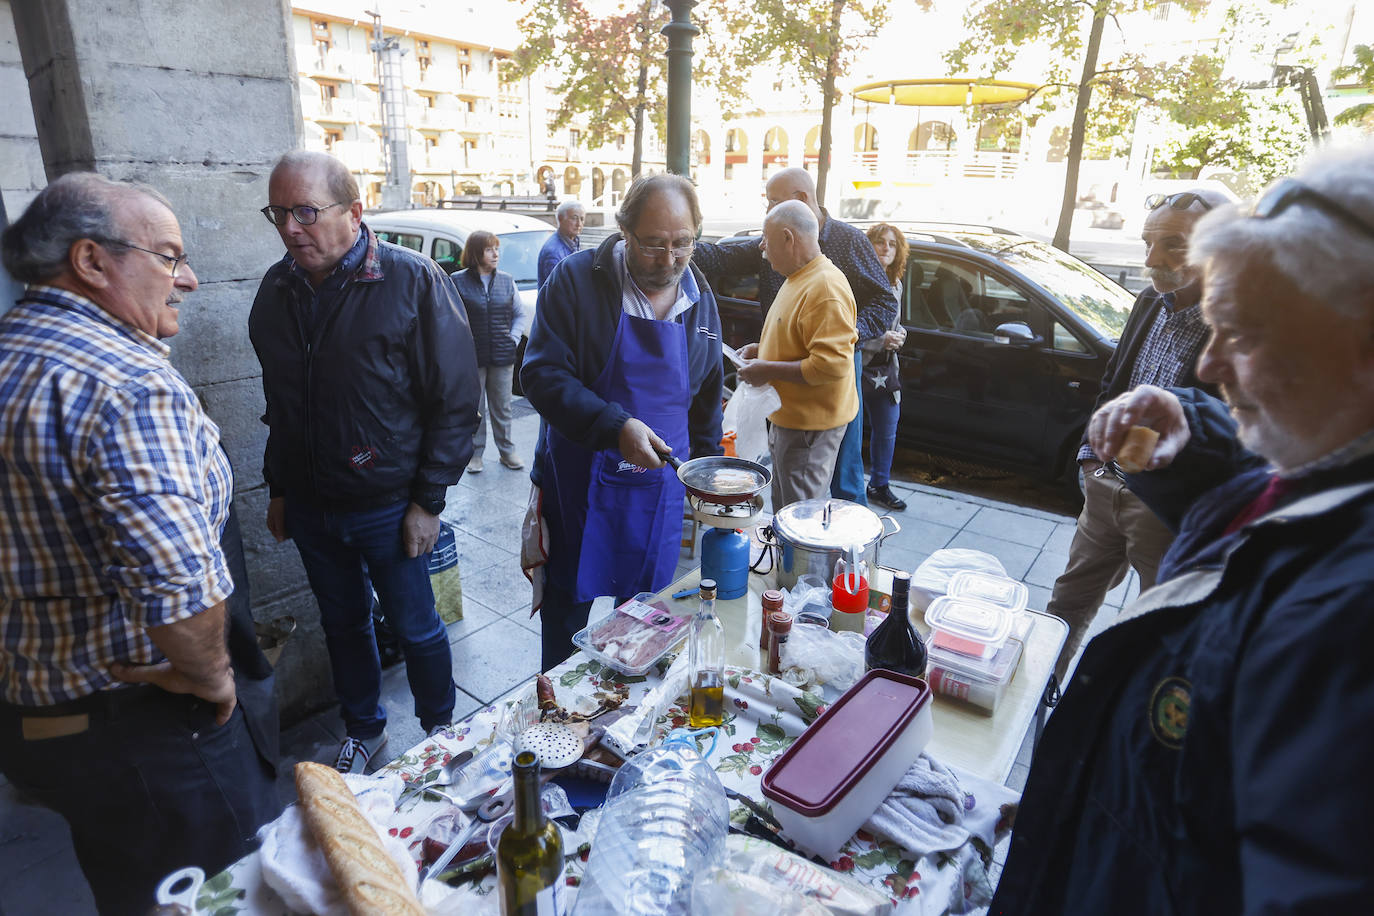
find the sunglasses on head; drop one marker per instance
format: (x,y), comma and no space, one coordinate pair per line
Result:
(1289,192)
(1180,201)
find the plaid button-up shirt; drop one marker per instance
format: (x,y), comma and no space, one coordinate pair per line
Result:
(113,494)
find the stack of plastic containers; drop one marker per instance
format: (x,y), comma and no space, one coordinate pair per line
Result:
(977,633)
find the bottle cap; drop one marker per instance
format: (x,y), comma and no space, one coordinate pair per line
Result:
(708,588)
(772,600)
(780,622)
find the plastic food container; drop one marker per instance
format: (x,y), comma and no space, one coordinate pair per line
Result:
(839,771)
(979,682)
(993,589)
(634,636)
(968,626)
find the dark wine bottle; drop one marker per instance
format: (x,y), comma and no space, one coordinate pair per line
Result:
(529,855)
(895,645)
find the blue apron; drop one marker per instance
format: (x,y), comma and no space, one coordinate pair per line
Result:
(615,528)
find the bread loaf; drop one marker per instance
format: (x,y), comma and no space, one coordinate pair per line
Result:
(370,880)
(1137,450)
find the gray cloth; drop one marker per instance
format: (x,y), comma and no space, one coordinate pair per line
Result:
(925,812)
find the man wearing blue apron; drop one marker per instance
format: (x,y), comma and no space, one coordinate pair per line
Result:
(624,364)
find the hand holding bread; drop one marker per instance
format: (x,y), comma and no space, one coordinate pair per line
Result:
(1143,429)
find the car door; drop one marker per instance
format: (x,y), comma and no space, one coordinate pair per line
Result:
(963,392)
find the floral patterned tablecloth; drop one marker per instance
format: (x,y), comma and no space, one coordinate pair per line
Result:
(764,715)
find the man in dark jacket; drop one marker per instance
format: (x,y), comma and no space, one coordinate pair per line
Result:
(370,377)
(1212,754)
(624,365)
(1159,346)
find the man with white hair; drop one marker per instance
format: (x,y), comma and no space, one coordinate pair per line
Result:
(571,215)
(850,251)
(1212,754)
(806,351)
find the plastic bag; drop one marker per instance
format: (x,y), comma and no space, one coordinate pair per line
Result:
(815,655)
(789,873)
(810,593)
(931,578)
(745,416)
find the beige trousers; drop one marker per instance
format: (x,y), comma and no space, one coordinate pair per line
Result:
(803,462)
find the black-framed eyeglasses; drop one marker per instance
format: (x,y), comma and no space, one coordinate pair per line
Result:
(1289,192)
(176,263)
(1180,201)
(304,215)
(657,251)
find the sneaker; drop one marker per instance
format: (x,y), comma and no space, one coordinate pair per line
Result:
(884,496)
(441,731)
(475,465)
(355,753)
(513,462)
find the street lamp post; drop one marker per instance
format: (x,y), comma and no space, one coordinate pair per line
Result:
(680,31)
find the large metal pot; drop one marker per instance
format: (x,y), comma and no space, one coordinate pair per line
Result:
(809,536)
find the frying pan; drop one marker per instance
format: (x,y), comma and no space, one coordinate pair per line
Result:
(720,479)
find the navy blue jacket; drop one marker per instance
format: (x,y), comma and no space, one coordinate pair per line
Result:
(375,400)
(1212,753)
(570,342)
(491,314)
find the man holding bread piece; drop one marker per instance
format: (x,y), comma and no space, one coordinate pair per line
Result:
(118,705)
(1212,753)
(1158,346)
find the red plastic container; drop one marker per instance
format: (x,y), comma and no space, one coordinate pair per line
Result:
(839,771)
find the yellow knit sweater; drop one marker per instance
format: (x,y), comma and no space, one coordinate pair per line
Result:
(812,320)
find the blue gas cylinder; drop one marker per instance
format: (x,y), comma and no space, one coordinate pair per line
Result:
(725,558)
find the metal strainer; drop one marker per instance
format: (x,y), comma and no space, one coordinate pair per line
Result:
(556,744)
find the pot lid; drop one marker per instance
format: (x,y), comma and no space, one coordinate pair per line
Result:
(827,524)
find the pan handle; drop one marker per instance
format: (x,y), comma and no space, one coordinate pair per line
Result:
(672,459)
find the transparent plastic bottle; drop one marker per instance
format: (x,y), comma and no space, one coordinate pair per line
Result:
(664,823)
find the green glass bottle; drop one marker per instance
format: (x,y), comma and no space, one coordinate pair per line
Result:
(529,855)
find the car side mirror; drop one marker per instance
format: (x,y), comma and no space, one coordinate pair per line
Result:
(1016,334)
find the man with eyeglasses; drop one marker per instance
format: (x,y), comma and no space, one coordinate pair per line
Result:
(624,365)
(1159,346)
(850,251)
(1212,754)
(118,702)
(369,372)
(805,352)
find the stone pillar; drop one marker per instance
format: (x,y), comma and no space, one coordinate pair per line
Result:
(197,99)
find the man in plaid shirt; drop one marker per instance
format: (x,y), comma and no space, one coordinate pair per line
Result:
(1159,346)
(117,701)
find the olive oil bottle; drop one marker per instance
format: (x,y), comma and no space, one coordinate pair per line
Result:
(529,855)
(706,662)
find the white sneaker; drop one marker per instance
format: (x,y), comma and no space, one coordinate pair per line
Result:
(354,753)
(475,465)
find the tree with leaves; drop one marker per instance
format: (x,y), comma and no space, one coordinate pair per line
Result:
(820,38)
(611,67)
(1192,92)
(1362,73)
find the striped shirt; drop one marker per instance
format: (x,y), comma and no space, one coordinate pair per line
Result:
(113,494)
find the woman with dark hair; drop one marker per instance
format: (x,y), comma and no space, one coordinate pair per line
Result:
(882,386)
(492,301)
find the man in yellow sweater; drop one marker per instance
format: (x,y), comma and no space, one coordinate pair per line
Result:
(806,352)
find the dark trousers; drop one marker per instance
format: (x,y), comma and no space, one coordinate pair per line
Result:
(847,481)
(149,786)
(346,555)
(559,618)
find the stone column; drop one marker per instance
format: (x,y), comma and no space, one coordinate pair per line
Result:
(197,99)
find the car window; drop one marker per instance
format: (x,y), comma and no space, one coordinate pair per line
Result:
(963,298)
(405,239)
(746,287)
(448,253)
(1100,303)
(1063,339)
(520,255)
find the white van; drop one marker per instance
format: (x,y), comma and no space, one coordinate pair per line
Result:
(442,233)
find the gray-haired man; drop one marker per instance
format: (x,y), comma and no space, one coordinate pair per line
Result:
(571,216)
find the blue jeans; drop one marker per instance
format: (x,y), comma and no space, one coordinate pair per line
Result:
(346,555)
(847,482)
(882,437)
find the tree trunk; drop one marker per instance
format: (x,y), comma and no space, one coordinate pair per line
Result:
(1080,124)
(832,65)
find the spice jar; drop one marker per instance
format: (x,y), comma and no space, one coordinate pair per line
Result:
(779,628)
(772,601)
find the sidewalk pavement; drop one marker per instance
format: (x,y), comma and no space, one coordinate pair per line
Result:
(496,644)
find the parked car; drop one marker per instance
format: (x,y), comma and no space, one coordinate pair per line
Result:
(442,233)
(1007,340)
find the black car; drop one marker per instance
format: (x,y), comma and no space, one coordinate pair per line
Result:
(1007,340)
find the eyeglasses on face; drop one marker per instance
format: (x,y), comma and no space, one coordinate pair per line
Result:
(304,215)
(657,251)
(1289,192)
(1180,201)
(176,263)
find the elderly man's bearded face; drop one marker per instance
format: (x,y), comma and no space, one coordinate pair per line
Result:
(665,223)
(1297,374)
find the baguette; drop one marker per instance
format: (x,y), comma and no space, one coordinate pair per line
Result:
(370,880)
